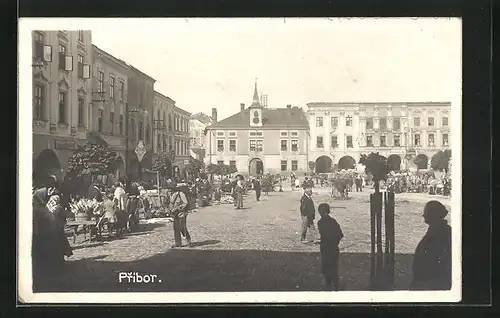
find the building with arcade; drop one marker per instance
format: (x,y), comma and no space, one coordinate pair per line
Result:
(342,132)
(258,139)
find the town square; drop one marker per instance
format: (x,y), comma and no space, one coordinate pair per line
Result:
(225,162)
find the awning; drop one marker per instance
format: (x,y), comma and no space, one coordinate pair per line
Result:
(113,142)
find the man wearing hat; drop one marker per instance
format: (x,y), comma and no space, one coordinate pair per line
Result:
(179,209)
(307,212)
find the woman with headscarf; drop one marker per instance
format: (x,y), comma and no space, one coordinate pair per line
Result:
(238,194)
(432,259)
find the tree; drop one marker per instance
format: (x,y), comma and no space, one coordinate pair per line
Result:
(377,166)
(194,166)
(220,169)
(312,165)
(91,160)
(420,161)
(163,164)
(440,160)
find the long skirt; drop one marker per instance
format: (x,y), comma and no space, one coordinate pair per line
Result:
(239,201)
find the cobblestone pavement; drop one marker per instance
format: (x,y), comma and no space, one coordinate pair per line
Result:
(254,249)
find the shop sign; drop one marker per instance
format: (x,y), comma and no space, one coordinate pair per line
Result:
(65,144)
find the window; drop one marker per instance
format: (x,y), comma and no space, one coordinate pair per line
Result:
(334,121)
(62,108)
(39,102)
(255,145)
(348,121)
(416,121)
(220,145)
(319,121)
(284,134)
(430,140)
(158,143)
(445,140)
(141,130)
(430,121)
(169,122)
(295,134)
(256,134)
(62,57)
(397,141)
(295,165)
(284,145)
(369,141)
(383,142)
(100,81)
(232,163)
(319,142)
(232,145)
(396,124)
(99,120)
(220,162)
(231,134)
(112,122)
(132,129)
(170,143)
(444,121)
(120,125)
(284,165)
(417,140)
(121,90)
(369,123)
(334,142)
(80,36)
(80,66)
(164,144)
(148,133)
(111,87)
(295,145)
(81,111)
(349,141)
(39,43)
(382,124)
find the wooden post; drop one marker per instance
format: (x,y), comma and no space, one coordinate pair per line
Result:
(387,241)
(392,233)
(158,180)
(380,262)
(372,231)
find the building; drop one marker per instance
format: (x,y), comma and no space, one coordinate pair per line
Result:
(181,139)
(162,124)
(108,108)
(197,125)
(62,94)
(341,132)
(258,139)
(139,112)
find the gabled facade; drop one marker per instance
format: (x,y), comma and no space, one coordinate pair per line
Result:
(258,140)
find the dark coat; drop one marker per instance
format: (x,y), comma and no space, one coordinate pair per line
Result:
(256,185)
(432,259)
(307,207)
(95,193)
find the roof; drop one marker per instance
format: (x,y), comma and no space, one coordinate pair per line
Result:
(204,118)
(158,94)
(182,111)
(110,57)
(273,118)
(340,104)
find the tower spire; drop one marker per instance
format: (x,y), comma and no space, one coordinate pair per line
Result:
(255,101)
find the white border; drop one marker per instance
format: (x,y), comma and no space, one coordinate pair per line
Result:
(25,210)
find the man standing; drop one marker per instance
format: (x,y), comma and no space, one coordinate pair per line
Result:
(257,187)
(307,211)
(180,206)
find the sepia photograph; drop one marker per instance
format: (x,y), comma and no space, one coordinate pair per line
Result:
(256,160)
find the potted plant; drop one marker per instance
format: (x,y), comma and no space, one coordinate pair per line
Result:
(85,209)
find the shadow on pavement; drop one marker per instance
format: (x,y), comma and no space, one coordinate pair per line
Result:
(204,243)
(194,270)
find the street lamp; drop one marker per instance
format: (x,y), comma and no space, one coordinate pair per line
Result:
(127,113)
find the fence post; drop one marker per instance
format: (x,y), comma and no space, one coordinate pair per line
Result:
(380,262)
(372,236)
(392,233)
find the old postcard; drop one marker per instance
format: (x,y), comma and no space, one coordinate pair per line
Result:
(240,160)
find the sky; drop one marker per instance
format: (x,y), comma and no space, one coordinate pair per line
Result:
(206,63)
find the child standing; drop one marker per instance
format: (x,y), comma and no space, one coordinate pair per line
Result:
(331,234)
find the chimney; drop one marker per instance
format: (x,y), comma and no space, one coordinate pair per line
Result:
(242,106)
(289,106)
(214,115)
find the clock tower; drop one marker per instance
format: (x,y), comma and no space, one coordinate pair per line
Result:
(255,110)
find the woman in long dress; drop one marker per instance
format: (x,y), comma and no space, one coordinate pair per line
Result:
(238,191)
